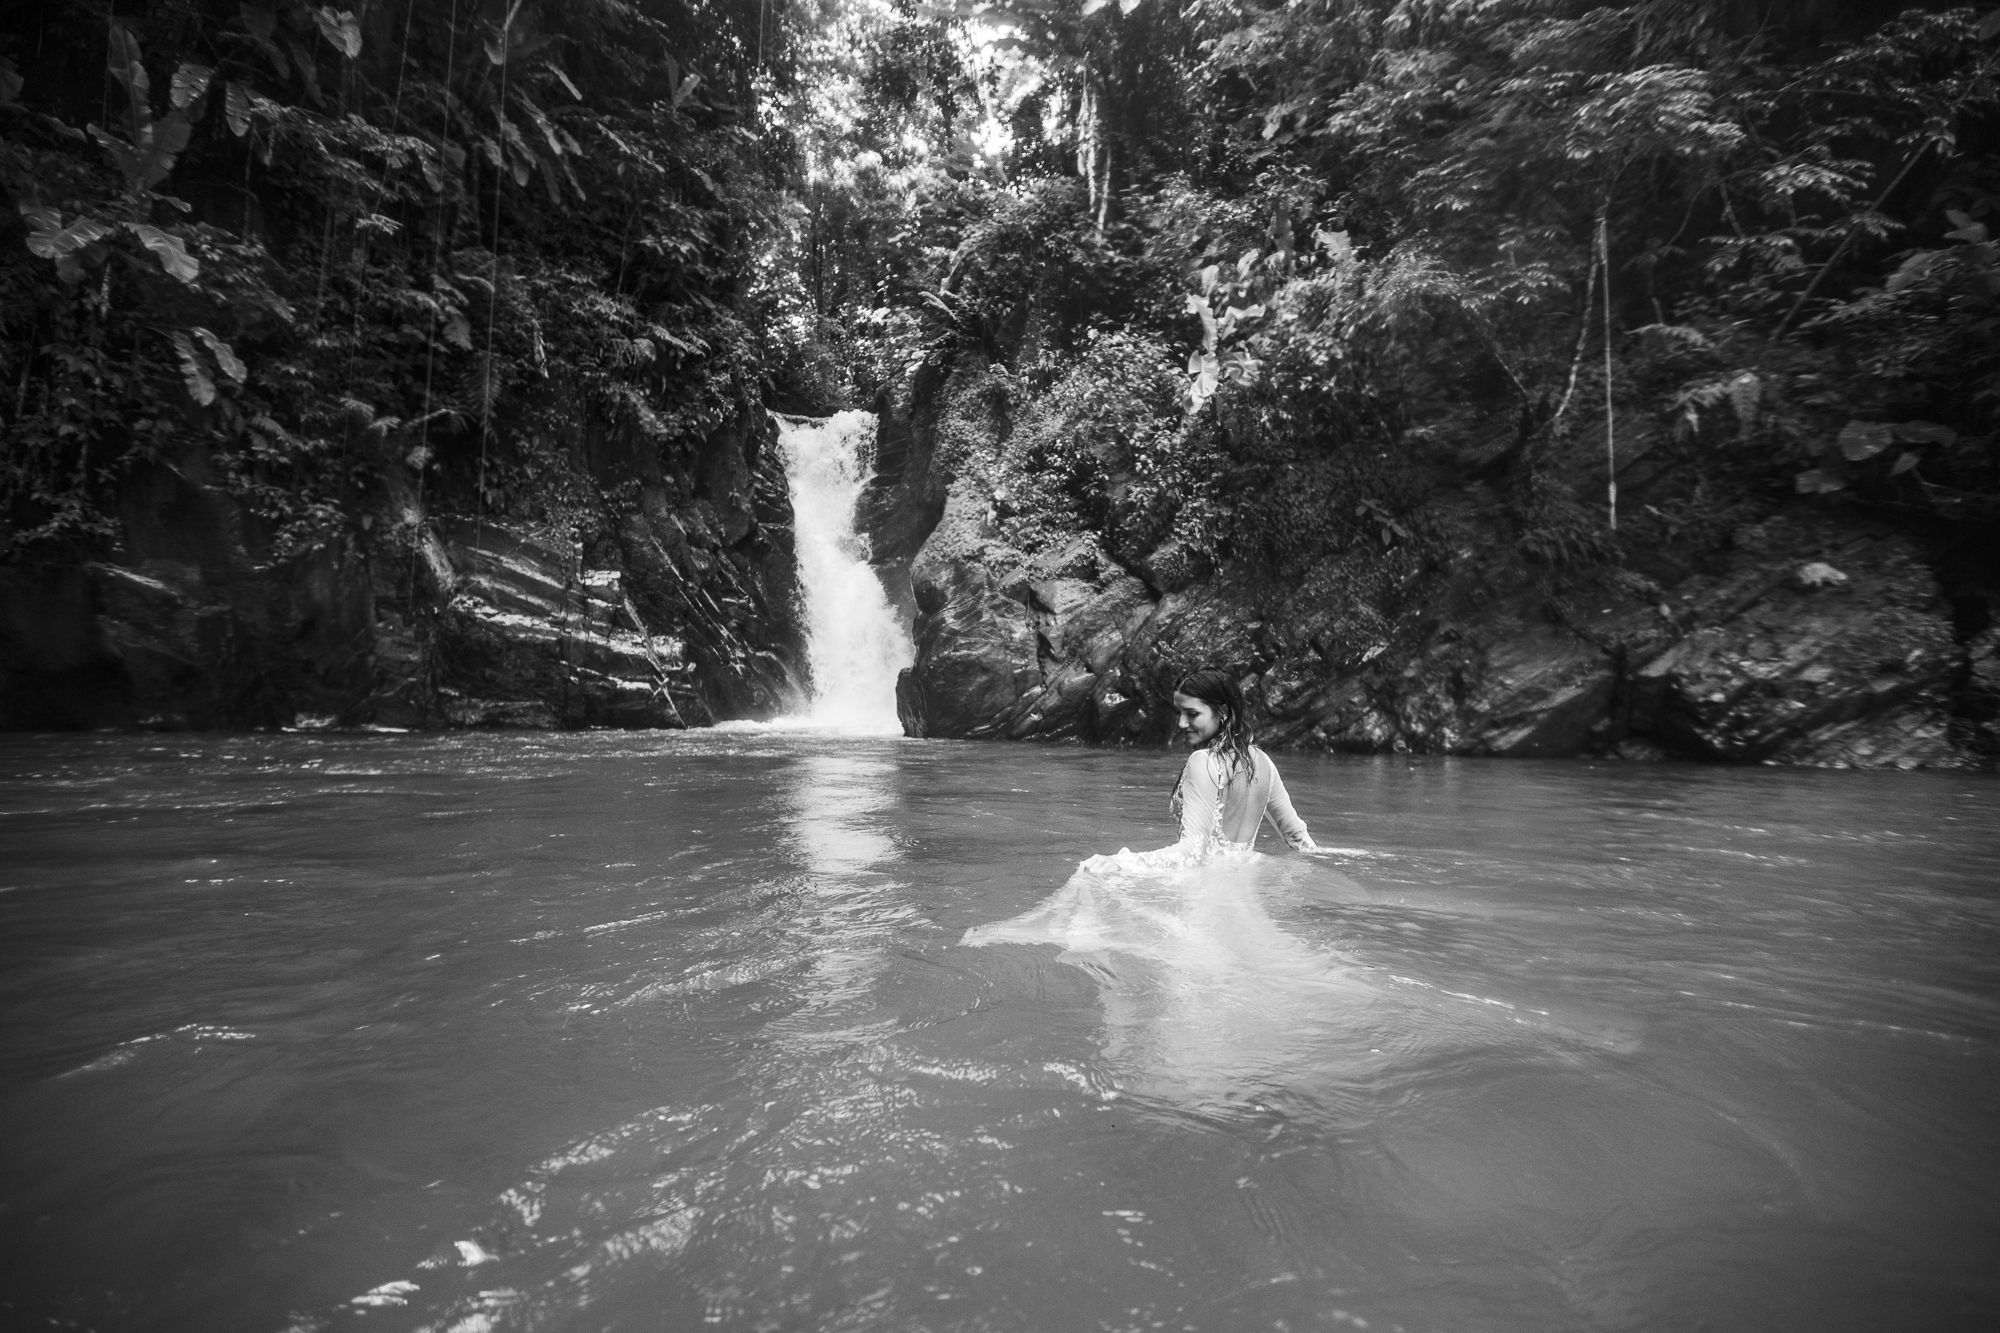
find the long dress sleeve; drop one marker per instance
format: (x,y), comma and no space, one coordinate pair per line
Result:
(1278,809)
(1198,805)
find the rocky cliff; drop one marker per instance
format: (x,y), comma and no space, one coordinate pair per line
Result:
(1814,635)
(658,595)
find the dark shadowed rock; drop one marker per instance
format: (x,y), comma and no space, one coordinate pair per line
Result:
(1854,671)
(1536,691)
(670,607)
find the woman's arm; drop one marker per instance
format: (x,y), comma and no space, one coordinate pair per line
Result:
(1285,819)
(1200,813)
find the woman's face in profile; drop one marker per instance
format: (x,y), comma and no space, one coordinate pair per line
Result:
(1195,720)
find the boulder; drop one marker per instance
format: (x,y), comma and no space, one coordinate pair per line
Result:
(976,655)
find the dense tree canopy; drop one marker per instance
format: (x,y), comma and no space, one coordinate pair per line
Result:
(1382,241)
(1337,249)
(351,245)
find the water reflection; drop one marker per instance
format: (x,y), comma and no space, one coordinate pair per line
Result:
(836,825)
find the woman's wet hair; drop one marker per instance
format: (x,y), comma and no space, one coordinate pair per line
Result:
(1219,690)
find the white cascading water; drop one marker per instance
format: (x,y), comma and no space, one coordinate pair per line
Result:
(855,642)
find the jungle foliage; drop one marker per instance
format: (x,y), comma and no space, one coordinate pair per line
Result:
(1381,247)
(399,252)
(1270,279)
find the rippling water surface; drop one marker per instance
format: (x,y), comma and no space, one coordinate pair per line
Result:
(661,1032)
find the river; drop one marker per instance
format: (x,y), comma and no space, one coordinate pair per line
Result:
(487,1033)
(615,1031)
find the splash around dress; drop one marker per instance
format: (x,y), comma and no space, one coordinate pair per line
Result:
(1221,806)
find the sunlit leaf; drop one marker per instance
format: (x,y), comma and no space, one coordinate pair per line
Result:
(225,355)
(236,108)
(1903,464)
(123,60)
(194,374)
(341,29)
(168,249)
(50,240)
(1863,439)
(190,84)
(1817,481)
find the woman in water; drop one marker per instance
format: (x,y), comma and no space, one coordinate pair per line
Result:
(1228,787)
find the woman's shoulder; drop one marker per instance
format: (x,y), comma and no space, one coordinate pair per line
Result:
(1203,764)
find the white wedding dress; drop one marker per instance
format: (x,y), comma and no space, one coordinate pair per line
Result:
(1203,992)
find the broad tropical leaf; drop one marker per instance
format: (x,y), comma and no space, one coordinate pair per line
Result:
(190,84)
(194,374)
(225,355)
(169,249)
(341,29)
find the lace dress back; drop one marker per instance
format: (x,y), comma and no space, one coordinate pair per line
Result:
(1221,803)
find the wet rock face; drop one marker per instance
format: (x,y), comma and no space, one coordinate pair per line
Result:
(671,608)
(1854,671)
(529,638)
(1812,640)
(1753,663)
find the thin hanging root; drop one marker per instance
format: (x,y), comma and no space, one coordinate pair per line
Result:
(487,395)
(437,258)
(1610,413)
(1582,337)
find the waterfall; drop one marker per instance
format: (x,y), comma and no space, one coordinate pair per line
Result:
(855,643)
